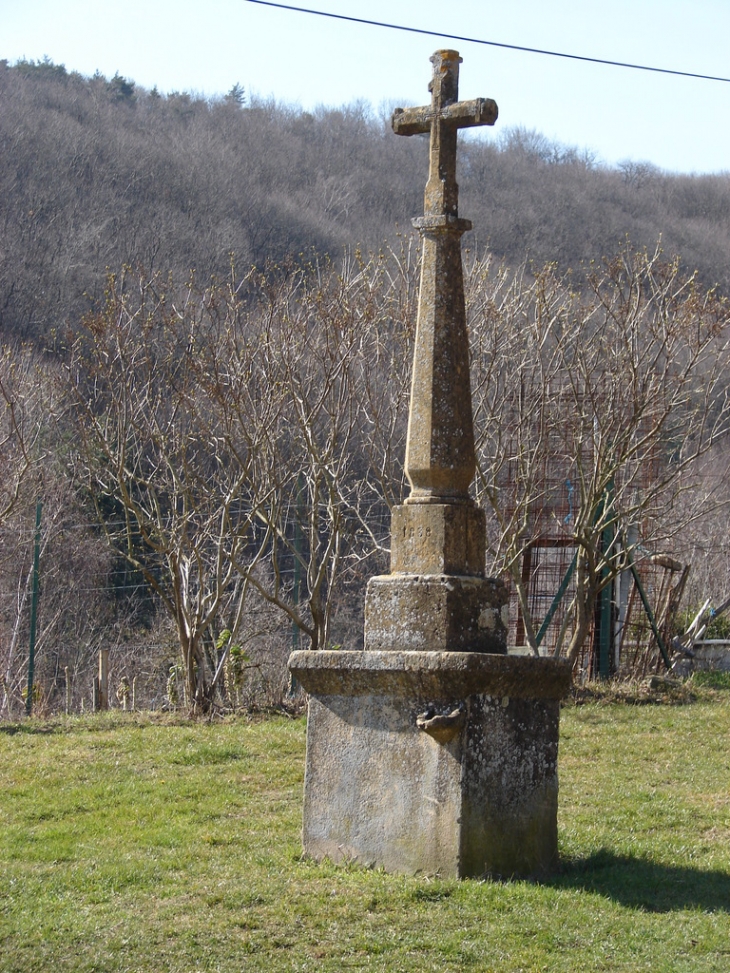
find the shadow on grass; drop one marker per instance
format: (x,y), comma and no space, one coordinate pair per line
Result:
(50,727)
(10,729)
(108,721)
(646,885)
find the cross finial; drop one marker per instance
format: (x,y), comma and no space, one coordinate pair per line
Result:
(442,119)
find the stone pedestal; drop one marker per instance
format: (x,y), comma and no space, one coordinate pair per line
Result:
(437,762)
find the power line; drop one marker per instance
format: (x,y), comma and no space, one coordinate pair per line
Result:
(477,40)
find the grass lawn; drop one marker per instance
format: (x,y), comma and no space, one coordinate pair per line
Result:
(133,844)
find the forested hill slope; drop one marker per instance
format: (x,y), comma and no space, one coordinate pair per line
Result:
(96,173)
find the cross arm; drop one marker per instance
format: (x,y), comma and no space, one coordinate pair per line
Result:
(461,114)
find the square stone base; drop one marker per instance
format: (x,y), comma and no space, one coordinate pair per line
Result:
(440,763)
(437,613)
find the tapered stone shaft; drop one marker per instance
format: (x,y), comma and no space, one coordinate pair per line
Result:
(440,457)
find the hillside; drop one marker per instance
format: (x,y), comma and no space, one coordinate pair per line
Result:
(97,173)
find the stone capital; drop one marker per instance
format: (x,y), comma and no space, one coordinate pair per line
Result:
(444,223)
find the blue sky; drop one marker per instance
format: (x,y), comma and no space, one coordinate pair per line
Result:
(678,124)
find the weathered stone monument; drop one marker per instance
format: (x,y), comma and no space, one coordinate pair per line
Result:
(432,749)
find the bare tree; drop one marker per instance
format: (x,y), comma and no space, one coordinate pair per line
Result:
(74,612)
(76,615)
(21,385)
(338,345)
(168,464)
(19,432)
(242,436)
(249,434)
(617,391)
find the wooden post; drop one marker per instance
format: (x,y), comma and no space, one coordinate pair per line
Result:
(6,691)
(103,681)
(34,608)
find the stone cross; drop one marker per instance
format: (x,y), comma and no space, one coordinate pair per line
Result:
(442,119)
(440,457)
(434,751)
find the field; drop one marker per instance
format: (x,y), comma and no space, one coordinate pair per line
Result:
(130,843)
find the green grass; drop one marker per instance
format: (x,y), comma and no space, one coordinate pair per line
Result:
(712,678)
(133,845)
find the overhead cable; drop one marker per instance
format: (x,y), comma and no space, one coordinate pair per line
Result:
(477,40)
